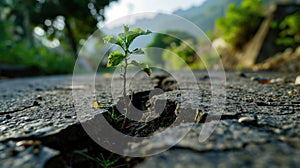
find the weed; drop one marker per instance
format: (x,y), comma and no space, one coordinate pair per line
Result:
(115,58)
(100,161)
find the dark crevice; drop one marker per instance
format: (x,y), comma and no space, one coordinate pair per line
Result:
(147,118)
(278,104)
(68,142)
(209,150)
(74,138)
(233,149)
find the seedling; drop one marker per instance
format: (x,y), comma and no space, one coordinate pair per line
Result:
(124,40)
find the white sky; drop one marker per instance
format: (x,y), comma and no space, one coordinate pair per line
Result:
(126,7)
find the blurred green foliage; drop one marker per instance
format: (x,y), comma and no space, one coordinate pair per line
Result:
(289,30)
(46,34)
(44,59)
(176,50)
(179,56)
(241,22)
(176,41)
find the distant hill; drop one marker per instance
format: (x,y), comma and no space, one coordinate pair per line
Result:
(205,15)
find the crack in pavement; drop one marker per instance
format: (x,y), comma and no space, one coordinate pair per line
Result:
(35,103)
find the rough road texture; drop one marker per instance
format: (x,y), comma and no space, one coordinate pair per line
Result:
(260,125)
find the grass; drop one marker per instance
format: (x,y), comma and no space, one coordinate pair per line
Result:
(101,161)
(116,117)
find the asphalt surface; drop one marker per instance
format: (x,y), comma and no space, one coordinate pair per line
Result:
(255,119)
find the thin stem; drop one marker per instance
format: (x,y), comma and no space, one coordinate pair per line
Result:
(125,101)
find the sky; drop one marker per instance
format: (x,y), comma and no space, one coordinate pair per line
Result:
(123,8)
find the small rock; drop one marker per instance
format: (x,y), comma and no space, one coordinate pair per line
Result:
(248,120)
(38,89)
(241,74)
(28,154)
(36,103)
(43,131)
(28,143)
(169,84)
(8,116)
(261,80)
(277,80)
(277,131)
(68,116)
(13,152)
(200,118)
(28,130)
(39,97)
(297,82)
(2,128)
(205,77)
(36,151)
(26,119)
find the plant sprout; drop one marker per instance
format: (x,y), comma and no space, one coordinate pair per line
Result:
(115,58)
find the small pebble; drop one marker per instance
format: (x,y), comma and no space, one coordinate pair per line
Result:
(248,120)
(13,152)
(43,131)
(26,118)
(241,74)
(277,80)
(277,131)
(36,151)
(297,82)
(28,143)
(8,116)
(39,97)
(35,103)
(261,80)
(205,77)
(68,116)
(3,128)
(27,131)
(38,89)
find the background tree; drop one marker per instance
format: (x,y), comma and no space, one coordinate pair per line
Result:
(289,31)
(62,27)
(169,40)
(80,18)
(183,51)
(241,22)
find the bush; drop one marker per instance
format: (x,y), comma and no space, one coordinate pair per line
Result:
(174,41)
(48,61)
(290,30)
(241,22)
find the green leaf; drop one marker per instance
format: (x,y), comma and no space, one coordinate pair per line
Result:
(148,71)
(115,58)
(121,41)
(110,39)
(144,67)
(131,35)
